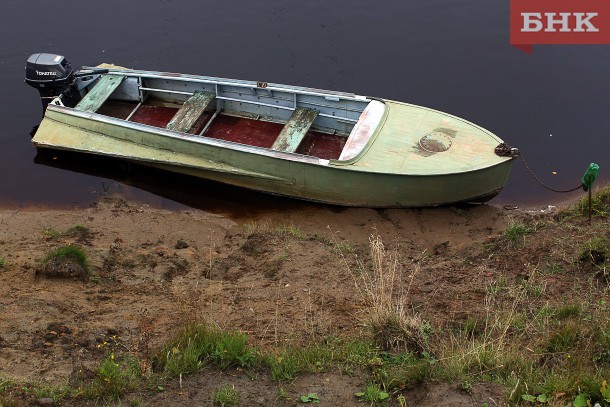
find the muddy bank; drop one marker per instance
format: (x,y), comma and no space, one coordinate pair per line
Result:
(151,269)
(281,277)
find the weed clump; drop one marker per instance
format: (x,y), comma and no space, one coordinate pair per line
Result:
(80,232)
(226,396)
(515,233)
(373,394)
(564,338)
(113,378)
(393,326)
(600,203)
(198,346)
(594,251)
(65,262)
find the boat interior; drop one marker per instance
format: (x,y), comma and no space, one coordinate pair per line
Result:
(308,122)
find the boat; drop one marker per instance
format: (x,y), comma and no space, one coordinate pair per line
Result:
(318,145)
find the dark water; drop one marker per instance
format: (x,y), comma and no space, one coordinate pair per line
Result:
(448,55)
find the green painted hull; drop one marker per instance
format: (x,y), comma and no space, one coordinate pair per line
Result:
(348,183)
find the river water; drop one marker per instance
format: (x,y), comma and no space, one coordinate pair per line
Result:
(451,56)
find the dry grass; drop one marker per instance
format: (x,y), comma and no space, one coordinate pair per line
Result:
(394,325)
(488,350)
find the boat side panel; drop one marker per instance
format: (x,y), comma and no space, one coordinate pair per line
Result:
(267,173)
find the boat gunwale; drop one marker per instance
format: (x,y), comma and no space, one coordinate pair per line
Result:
(219,143)
(234,82)
(188,137)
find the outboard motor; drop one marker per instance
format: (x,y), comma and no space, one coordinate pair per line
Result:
(52,75)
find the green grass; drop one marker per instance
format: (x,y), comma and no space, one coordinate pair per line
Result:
(567,311)
(290,230)
(113,378)
(51,233)
(226,396)
(373,394)
(78,230)
(198,346)
(57,394)
(69,252)
(563,338)
(594,251)
(552,268)
(287,363)
(600,203)
(346,247)
(515,233)
(600,206)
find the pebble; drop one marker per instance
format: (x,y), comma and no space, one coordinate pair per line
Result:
(181,244)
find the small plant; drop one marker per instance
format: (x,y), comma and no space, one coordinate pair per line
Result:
(496,287)
(594,251)
(564,338)
(344,247)
(290,230)
(284,367)
(552,268)
(394,327)
(516,233)
(605,391)
(542,398)
(282,393)
(45,391)
(66,262)
(600,203)
(69,252)
(226,396)
(78,230)
(113,378)
(373,394)
(581,401)
(136,402)
(198,346)
(467,387)
(2,262)
(310,398)
(428,358)
(51,233)
(567,311)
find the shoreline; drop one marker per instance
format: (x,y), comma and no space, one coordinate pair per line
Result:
(285,278)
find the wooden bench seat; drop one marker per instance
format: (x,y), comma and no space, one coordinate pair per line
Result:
(185,119)
(100,93)
(295,129)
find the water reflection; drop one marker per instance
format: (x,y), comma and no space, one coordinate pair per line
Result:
(178,191)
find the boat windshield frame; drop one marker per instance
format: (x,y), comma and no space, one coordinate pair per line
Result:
(363,130)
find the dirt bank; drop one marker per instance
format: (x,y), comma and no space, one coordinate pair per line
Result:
(280,278)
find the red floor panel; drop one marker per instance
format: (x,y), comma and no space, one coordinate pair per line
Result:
(157,116)
(322,145)
(244,131)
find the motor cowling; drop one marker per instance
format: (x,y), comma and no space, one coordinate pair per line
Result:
(52,75)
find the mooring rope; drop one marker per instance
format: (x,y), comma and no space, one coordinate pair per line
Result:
(562,191)
(505,150)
